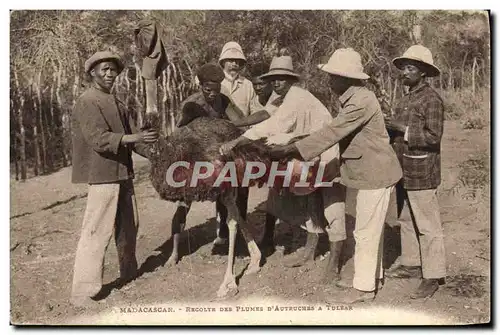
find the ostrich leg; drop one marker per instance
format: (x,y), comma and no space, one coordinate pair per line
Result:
(228,286)
(229,198)
(178,225)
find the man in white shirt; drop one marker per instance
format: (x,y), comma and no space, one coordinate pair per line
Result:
(301,114)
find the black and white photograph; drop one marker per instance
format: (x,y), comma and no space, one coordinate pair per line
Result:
(225,167)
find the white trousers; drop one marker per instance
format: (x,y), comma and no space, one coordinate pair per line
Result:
(110,208)
(371,210)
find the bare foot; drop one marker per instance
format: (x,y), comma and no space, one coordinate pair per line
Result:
(330,278)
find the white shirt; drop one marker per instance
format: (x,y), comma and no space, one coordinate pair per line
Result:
(301,113)
(241,93)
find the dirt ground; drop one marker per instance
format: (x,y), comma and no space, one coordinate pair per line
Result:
(46,214)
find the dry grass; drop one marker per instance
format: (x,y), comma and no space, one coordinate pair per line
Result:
(473,181)
(472,109)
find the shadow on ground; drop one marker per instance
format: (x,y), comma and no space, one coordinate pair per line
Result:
(289,236)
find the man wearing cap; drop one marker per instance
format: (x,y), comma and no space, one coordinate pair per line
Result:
(209,98)
(103,139)
(208,102)
(417,128)
(368,164)
(299,114)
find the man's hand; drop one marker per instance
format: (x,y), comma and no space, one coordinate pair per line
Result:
(227,147)
(281,151)
(392,124)
(146,136)
(279,139)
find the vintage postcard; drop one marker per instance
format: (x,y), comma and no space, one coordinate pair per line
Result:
(250,167)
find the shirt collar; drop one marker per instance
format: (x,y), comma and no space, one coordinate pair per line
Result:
(348,94)
(98,89)
(419,88)
(238,79)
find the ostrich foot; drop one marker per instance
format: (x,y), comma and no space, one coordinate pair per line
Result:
(255,257)
(172,260)
(253,268)
(228,288)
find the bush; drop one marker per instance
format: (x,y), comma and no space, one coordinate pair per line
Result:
(473,123)
(473,110)
(474,176)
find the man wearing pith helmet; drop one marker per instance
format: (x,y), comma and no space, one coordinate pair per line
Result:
(104,137)
(238,88)
(368,164)
(417,128)
(241,94)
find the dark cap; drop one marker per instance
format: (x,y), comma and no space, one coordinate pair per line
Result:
(102,56)
(210,72)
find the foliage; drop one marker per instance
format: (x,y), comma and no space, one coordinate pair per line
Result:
(48,49)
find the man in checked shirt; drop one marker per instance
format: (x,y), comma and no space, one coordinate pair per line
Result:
(416,129)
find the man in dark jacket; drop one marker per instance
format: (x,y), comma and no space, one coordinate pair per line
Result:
(417,129)
(103,139)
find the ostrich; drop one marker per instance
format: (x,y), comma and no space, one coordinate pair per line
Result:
(200,141)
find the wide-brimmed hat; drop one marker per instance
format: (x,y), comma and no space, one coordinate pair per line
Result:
(232,50)
(345,62)
(102,56)
(422,56)
(281,66)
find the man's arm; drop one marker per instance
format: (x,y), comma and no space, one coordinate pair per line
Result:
(140,148)
(94,128)
(429,131)
(190,111)
(252,119)
(283,121)
(351,117)
(233,113)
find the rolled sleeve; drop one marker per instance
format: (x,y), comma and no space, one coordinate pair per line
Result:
(94,128)
(283,121)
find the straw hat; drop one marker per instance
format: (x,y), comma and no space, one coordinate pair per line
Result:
(102,56)
(420,54)
(345,62)
(281,66)
(231,50)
